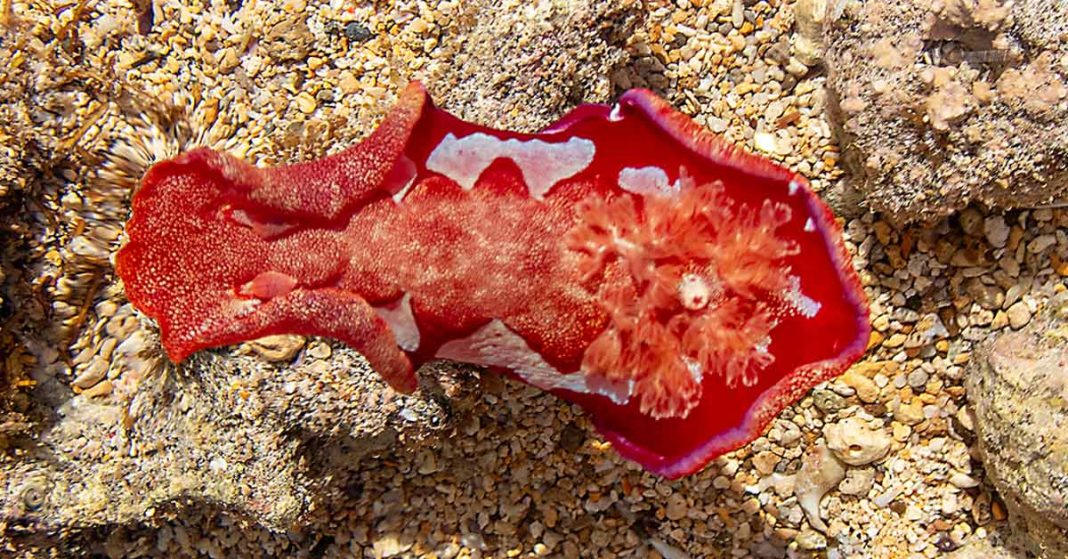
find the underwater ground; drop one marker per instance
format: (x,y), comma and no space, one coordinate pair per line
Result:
(291,447)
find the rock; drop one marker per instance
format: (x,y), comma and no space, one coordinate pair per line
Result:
(971,221)
(1040,243)
(910,413)
(1018,390)
(765,462)
(952,77)
(820,472)
(983,548)
(550,56)
(866,389)
(810,540)
(809,16)
(900,432)
(225,431)
(390,545)
(666,550)
(828,402)
(927,330)
(288,40)
(855,442)
(963,481)
(357,32)
(1019,315)
(988,296)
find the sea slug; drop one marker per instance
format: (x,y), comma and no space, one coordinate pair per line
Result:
(682,292)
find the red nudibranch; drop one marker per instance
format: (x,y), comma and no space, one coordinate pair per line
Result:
(680,291)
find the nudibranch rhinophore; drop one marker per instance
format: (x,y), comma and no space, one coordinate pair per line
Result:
(680,291)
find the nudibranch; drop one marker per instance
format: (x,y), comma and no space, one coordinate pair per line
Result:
(680,291)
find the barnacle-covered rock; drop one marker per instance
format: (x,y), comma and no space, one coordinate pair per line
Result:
(1019,391)
(941,104)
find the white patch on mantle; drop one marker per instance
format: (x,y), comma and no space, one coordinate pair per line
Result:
(496,345)
(803,304)
(647,181)
(401,321)
(541,163)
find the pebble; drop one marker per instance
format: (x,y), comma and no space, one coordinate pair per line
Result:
(858,482)
(971,221)
(895,340)
(996,231)
(913,513)
(928,329)
(320,350)
(94,373)
(348,83)
(962,480)
(865,388)
(900,431)
(988,296)
(855,442)
(765,142)
(810,540)
(918,379)
(675,509)
(306,103)
(827,401)
(1041,243)
(389,545)
(765,462)
(357,32)
(910,413)
(1012,295)
(101,389)
(1019,315)
(796,68)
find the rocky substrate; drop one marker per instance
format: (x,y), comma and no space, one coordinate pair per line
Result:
(288,447)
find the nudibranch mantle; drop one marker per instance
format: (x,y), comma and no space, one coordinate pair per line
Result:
(680,291)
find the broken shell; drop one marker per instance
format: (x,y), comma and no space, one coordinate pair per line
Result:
(820,472)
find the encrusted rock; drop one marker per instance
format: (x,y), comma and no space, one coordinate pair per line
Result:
(553,55)
(941,104)
(1018,389)
(856,442)
(809,16)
